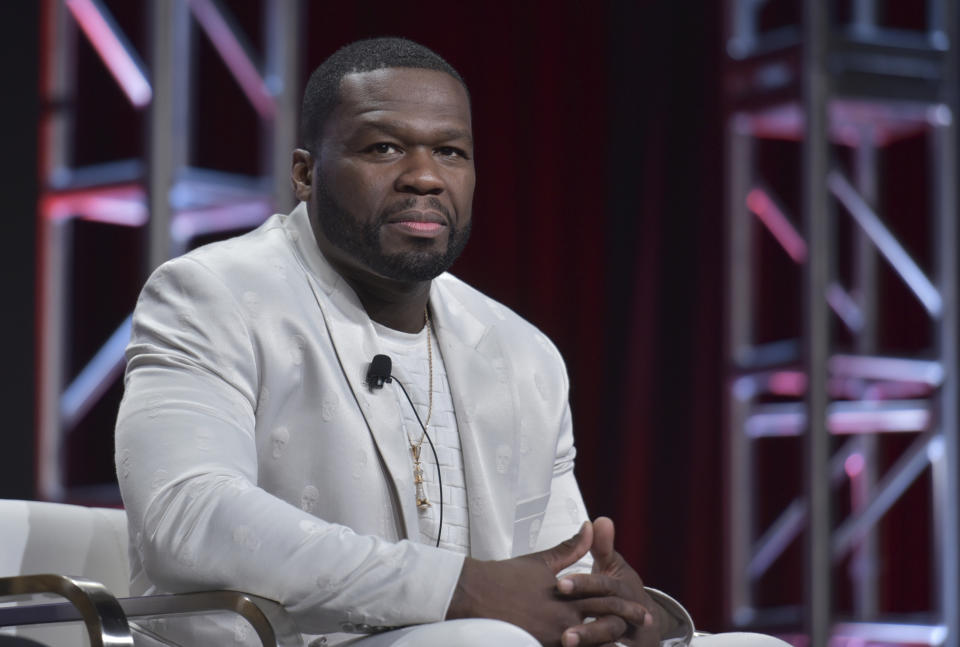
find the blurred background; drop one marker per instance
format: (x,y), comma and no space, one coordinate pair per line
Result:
(736,220)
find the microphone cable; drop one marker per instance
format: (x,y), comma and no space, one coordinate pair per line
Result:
(432,448)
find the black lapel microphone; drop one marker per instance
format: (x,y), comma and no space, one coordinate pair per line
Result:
(379,371)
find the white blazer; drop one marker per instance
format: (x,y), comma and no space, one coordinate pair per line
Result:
(251,455)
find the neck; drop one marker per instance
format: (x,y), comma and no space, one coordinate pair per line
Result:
(397,306)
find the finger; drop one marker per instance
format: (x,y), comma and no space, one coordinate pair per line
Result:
(605,629)
(569,551)
(581,585)
(602,547)
(633,612)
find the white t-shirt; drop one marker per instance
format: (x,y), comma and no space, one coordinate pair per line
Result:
(411,365)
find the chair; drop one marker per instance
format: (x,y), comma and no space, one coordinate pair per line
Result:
(80,554)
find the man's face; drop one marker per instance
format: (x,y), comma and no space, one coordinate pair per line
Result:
(393,176)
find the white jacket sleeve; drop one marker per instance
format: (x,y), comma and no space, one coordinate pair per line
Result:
(187,467)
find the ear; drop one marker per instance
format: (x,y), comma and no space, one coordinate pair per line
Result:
(301,174)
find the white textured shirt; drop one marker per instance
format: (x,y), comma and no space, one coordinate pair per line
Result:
(411,366)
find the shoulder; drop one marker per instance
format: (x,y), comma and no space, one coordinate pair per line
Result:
(229,263)
(249,252)
(511,329)
(514,357)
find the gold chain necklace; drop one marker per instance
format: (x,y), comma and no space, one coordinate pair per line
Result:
(422,501)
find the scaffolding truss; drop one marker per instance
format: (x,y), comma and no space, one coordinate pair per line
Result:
(161,191)
(845,89)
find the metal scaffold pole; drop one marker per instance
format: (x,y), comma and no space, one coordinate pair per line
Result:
(836,92)
(816,327)
(162,191)
(944,144)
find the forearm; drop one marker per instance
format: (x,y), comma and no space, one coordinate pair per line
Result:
(188,476)
(214,532)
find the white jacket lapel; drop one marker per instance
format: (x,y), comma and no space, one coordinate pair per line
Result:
(355,343)
(485,406)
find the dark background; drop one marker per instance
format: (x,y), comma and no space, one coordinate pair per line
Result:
(598,217)
(19,112)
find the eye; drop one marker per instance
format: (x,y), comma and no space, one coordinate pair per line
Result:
(452,152)
(383,148)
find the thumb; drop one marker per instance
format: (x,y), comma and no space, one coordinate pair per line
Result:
(569,551)
(602,548)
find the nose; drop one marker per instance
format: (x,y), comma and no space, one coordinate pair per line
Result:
(419,174)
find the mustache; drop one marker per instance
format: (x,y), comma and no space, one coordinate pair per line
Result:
(430,203)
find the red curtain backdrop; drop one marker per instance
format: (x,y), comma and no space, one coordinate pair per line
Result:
(598,217)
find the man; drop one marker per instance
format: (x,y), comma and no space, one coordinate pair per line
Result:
(260,448)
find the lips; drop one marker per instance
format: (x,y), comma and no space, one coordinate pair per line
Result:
(416,217)
(421,218)
(417,224)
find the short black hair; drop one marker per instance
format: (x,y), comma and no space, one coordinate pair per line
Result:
(322,93)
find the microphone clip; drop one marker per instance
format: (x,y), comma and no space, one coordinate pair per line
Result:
(379,372)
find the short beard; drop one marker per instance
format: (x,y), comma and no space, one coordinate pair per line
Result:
(362,241)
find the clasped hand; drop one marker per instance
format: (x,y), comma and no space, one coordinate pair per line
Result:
(525,591)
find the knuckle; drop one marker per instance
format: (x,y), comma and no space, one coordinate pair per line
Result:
(620,625)
(598,632)
(613,586)
(631,609)
(622,608)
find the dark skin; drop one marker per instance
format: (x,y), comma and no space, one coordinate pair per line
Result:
(524,591)
(396,134)
(611,582)
(396,156)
